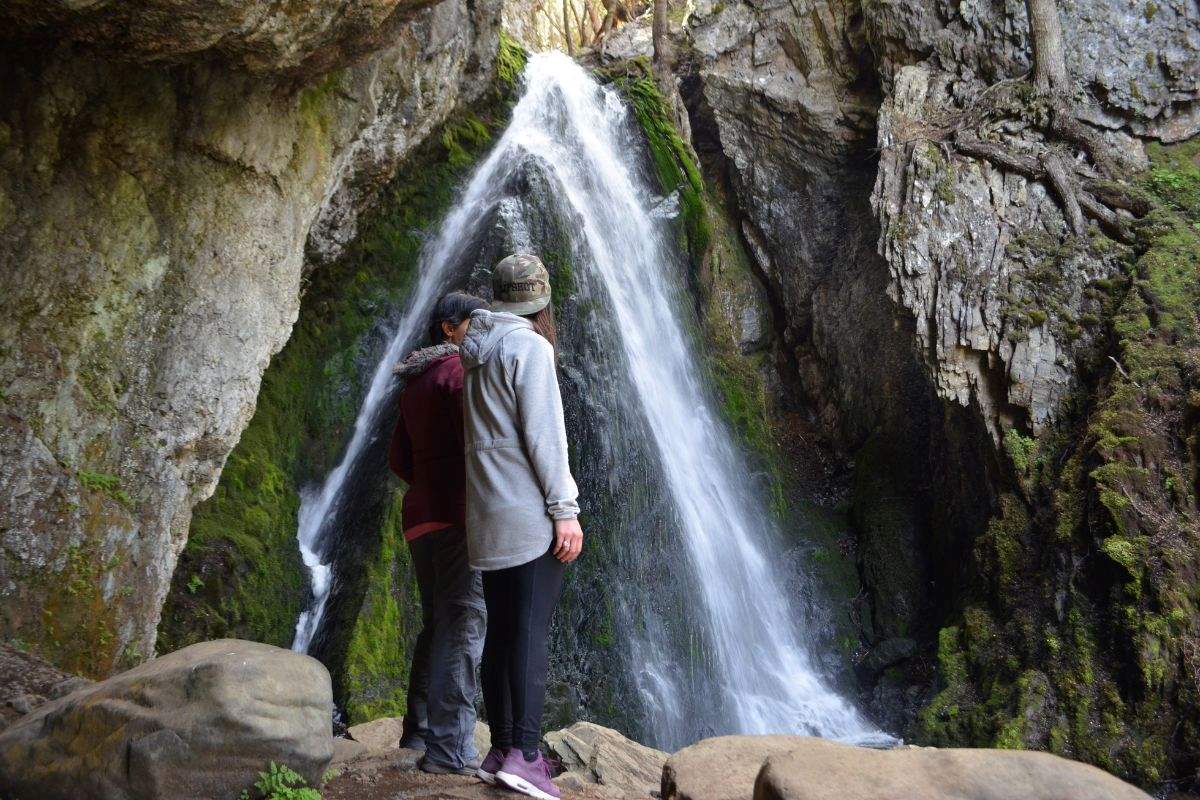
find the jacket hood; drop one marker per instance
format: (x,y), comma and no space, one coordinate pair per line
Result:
(420,360)
(484,333)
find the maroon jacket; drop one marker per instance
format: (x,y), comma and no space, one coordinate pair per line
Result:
(426,450)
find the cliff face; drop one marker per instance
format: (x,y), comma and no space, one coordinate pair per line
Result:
(165,170)
(1019,439)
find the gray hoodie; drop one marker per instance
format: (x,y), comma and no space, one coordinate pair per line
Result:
(518,476)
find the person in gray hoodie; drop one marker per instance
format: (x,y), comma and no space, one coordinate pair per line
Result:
(521,517)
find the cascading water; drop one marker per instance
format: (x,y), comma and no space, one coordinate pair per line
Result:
(577,135)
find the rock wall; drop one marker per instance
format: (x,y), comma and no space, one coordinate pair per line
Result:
(165,170)
(952,336)
(240,573)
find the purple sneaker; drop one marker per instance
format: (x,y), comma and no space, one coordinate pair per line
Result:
(528,777)
(491,765)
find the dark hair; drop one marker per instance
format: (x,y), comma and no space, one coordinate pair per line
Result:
(453,308)
(543,323)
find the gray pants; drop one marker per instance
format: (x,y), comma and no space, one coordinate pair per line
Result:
(441,684)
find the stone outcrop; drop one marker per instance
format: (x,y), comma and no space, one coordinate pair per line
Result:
(806,768)
(593,754)
(262,36)
(979,256)
(818,769)
(950,332)
(200,722)
(721,768)
(166,167)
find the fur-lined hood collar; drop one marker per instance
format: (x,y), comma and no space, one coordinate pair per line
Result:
(420,360)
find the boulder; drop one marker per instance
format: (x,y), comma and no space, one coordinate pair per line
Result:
(597,755)
(199,722)
(378,734)
(483,738)
(817,769)
(722,768)
(345,750)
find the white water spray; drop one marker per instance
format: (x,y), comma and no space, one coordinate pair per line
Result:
(575,129)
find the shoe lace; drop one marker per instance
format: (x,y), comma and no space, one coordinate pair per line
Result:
(553,765)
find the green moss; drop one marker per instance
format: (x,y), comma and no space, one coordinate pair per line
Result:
(672,158)
(1021,450)
(510,62)
(463,138)
(78,622)
(944,188)
(375,671)
(942,722)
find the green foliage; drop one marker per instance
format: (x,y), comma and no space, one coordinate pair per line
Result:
(1021,449)
(280,782)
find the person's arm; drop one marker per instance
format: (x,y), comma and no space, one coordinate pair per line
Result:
(400,451)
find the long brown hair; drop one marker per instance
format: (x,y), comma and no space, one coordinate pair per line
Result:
(544,324)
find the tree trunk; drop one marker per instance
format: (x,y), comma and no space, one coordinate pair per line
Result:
(593,21)
(1046,39)
(663,66)
(566,16)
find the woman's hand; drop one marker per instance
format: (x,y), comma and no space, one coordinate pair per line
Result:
(568,540)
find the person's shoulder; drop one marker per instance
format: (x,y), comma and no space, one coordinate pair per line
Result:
(527,341)
(447,370)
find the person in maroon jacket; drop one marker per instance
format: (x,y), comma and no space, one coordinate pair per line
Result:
(426,451)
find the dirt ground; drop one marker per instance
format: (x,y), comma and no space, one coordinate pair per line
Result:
(395,776)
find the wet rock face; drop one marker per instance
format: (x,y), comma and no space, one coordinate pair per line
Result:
(984,261)
(794,98)
(153,223)
(790,102)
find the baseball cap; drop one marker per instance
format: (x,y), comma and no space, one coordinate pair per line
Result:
(520,285)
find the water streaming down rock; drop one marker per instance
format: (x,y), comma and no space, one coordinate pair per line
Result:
(636,368)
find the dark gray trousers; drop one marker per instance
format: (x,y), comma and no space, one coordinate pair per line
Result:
(442,685)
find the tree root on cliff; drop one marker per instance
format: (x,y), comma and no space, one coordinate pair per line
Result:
(1047,104)
(1080,191)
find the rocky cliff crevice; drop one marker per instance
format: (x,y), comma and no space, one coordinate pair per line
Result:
(163,175)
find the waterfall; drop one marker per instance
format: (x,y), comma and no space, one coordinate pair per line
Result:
(579,136)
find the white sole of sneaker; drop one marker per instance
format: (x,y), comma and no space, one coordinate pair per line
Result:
(519,784)
(486,777)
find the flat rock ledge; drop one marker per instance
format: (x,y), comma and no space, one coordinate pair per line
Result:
(805,768)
